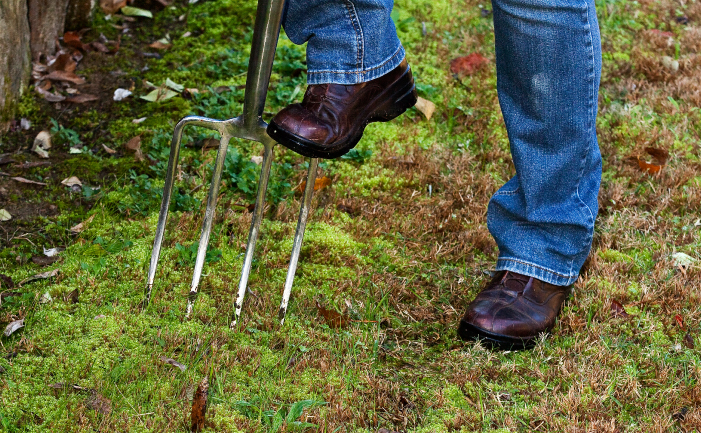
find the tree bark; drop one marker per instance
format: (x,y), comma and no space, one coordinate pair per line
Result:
(46,21)
(79,14)
(15,64)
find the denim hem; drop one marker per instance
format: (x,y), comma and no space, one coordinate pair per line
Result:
(532,270)
(358,76)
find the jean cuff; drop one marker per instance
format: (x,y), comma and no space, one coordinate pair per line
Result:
(536,271)
(357,76)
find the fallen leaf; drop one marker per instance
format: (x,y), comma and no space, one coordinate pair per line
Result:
(689,341)
(121,94)
(51,97)
(682,260)
(45,298)
(173,362)
(6,282)
(670,63)
(111,6)
(199,406)
(82,98)
(158,95)
(5,215)
(617,310)
(186,35)
(25,124)
(71,181)
(41,144)
(467,65)
(53,251)
(660,155)
(31,182)
(139,120)
(136,12)
(173,85)
(34,164)
(63,62)
(73,296)
(44,261)
(78,228)
(75,150)
(108,150)
(649,168)
(426,107)
(257,159)
(333,318)
(14,326)
(319,183)
(160,45)
(42,276)
(72,39)
(70,77)
(135,145)
(98,403)
(679,321)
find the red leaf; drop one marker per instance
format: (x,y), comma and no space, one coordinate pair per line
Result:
(65,76)
(680,321)
(689,341)
(649,168)
(467,65)
(333,318)
(660,155)
(617,310)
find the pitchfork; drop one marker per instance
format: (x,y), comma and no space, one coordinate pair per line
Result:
(249,126)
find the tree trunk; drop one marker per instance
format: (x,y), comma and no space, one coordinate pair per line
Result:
(46,21)
(15,65)
(79,14)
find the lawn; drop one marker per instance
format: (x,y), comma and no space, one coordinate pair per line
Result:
(395,248)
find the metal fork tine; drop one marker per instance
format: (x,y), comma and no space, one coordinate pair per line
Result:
(299,237)
(208,219)
(254,230)
(165,203)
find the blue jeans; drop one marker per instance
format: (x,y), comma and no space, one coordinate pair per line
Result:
(548,59)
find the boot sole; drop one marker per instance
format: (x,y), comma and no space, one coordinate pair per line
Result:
(468,332)
(384,113)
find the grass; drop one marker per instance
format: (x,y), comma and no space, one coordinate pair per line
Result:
(399,262)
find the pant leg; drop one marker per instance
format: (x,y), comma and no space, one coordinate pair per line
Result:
(348,41)
(548,70)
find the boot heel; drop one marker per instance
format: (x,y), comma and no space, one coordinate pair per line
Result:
(396,108)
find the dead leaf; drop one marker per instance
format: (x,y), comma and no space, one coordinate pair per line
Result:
(660,155)
(649,168)
(108,150)
(72,39)
(680,321)
(100,47)
(6,282)
(71,181)
(70,77)
(31,182)
(173,362)
(426,107)
(64,62)
(82,98)
(14,326)
(42,276)
(199,406)
(98,403)
(319,183)
(617,310)
(51,97)
(467,65)
(333,318)
(689,341)
(73,296)
(5,215)
(44,261)
(135,145)
(111,6)
(41,144)
(78,228)
(159,45)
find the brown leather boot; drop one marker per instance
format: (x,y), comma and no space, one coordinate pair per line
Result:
(332,117)
(512,311)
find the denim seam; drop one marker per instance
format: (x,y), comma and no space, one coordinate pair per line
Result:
(592,95)
(360,72)
(514,192)
(537,266)
(353,15)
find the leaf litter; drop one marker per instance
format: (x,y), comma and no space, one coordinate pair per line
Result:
(13,327)
(199,406)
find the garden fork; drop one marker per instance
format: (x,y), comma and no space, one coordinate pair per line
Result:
(249,126)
